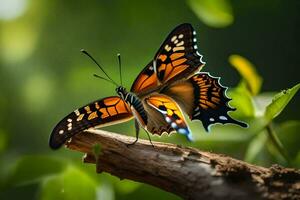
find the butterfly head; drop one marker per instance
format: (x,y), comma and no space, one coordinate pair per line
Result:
(121,91)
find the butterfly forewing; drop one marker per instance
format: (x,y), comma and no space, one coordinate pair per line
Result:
(178,57)
(99,113)
(146,80)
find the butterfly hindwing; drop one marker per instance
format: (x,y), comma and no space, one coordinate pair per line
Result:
(171,113)
(178,57)
(202,97)
(103,112)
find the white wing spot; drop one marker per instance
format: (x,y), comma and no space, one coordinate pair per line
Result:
(173,125)
(69,128)
(69,120)
(182,131)
(176,41)
(61,132)
(167,48)
(195,47)
(80,117)
(194,32)
(194,40)
(222,117)
(198,113)
(180,36)
(211,119)
(178,48)
(77,112)
(174,38)
(168,119)
(180,43)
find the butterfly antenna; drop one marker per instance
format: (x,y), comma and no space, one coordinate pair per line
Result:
(86,53)
(97,76)
(120,68)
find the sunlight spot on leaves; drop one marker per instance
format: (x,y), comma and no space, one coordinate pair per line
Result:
(11,9)
(18,41)
(37,92)
(261,102)
(214,13)
(105,191)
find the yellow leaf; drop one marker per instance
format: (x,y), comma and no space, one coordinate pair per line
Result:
(248,72)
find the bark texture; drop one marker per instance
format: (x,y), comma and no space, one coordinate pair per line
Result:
(186,172)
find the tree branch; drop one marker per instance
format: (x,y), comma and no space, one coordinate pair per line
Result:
(187,172)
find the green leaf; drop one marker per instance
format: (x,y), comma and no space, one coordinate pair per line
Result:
(3,141)
(72,184)
(242,101)
(261,102)
(255,147)
(288,133)
(31,169)
(127,186)
(296,161)
(248,72)
(214,13)
(280,101)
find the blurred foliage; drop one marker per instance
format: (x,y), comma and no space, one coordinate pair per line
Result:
(246,69)
(280,101)
(214,13)
(43,77)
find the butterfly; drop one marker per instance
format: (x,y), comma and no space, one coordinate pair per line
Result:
(171,84)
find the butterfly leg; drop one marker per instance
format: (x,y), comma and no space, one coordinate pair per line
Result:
(137,131)
(149,139)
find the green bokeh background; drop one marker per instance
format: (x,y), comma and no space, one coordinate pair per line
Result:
(44,77)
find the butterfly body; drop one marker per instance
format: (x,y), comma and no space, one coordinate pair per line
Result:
(135,104)
(171,84)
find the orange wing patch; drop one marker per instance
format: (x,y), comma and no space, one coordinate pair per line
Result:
(209,92)
(146,80)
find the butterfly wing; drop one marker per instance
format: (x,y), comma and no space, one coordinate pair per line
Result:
(202,97)
(146,80)
(106,111)
(170,117)
(178,57)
